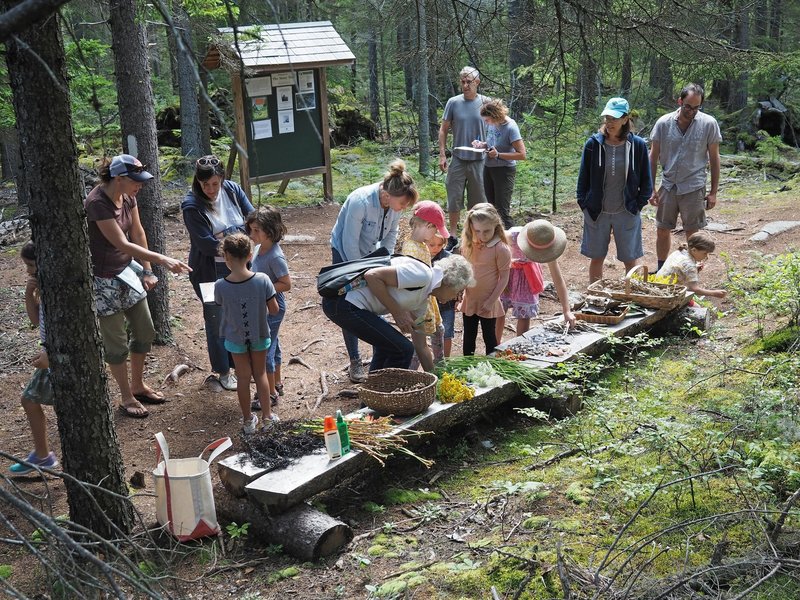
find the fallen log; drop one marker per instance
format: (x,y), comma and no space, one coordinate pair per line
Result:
(303,531)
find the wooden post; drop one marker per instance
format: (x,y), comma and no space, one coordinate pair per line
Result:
(327,182)
(241,136)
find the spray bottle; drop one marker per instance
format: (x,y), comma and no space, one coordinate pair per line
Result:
(344,432)
(331,434)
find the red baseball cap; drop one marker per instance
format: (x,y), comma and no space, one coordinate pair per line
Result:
(429,211)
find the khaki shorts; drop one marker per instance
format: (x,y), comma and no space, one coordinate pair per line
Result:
(690,206)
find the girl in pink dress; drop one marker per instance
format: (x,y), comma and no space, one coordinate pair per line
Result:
(485,246)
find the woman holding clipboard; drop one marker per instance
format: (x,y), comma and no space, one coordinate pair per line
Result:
(504,147)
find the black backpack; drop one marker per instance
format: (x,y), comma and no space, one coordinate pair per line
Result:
(336,280)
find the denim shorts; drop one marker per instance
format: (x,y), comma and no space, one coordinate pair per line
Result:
(448,321)
(256,346)
(627,230)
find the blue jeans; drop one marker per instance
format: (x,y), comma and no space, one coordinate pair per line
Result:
(390,348)
(221,361)
(350,340)
(274,354)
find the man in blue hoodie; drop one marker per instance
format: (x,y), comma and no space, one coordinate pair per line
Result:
(614,185)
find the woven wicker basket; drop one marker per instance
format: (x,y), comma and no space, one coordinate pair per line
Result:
(675,294)
(602,319)
(383,391)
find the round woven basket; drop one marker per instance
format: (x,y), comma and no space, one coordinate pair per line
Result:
(387,391)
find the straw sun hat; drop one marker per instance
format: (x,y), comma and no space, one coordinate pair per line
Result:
(541,242)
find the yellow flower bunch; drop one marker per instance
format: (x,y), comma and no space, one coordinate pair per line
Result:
(452,389)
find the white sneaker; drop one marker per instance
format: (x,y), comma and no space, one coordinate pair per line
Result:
(274,417)
(356,371)
(228,381)
(251,426)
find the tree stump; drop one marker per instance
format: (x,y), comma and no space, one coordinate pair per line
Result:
(303,531)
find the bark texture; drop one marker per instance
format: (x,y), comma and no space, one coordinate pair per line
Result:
(139,137)
(90,451)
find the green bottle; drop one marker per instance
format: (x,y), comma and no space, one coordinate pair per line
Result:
(344,434)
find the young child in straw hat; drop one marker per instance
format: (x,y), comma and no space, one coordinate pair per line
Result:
(536,243)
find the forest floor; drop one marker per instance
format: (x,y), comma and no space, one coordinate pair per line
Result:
(194,415)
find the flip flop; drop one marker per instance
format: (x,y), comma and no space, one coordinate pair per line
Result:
(146,398)
(128,412)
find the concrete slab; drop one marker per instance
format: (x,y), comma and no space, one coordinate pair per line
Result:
(281,489)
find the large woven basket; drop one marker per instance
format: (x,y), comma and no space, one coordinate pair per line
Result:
(602,319)
(673,296)
(388,392)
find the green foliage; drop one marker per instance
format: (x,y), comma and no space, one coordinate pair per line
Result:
(237,532)
(5,571)
(372,507)
(93,93)
(395,496)
(770,292)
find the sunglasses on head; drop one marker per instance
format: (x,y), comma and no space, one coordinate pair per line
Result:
(207,161)
(136,169)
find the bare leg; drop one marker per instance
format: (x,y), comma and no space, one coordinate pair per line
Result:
(271,381)
(258,363)
(523,325)
(138,385)
(596,269)
(630,264)
(500,324)
(38,424)
(278,378)
(454,217)
(120,374)
(448,347)
(663,243)
(243,371)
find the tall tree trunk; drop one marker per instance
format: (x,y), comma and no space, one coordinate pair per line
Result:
(205,116)
(404,50)
(627,73)
(353,72)
(138,123)
(422,91)
(740,84)
(661,79)
(90,451)
(12,165)
(191,140)
(386,99)
(521,54)
(372,67)
(775,22)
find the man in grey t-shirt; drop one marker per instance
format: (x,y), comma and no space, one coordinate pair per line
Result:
(683,142)
(462,113)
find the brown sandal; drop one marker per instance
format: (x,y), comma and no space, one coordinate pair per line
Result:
(130,410)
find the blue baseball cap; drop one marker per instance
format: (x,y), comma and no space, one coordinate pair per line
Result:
(616,107)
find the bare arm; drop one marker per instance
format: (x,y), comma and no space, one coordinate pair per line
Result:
(713,159)
(420,341)
(443,129)
(379,281)
(562,291)
(31,302)
(655,151)
(272,306)
(283,284)
(694,286)
(520,153)
(137,246)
